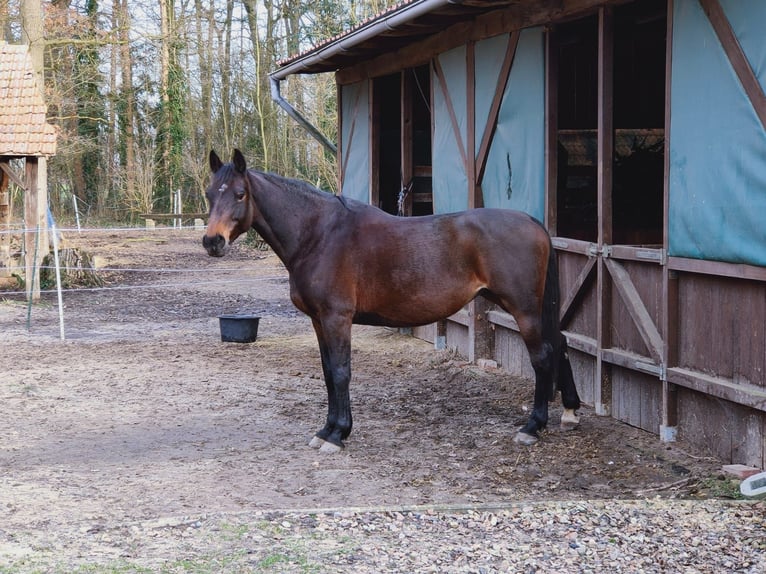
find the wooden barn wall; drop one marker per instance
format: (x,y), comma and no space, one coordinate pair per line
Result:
(722,327)
(636,399)
(708,320)
(646,279)
(583,319)
(727,430)
(457,337)
(511,354)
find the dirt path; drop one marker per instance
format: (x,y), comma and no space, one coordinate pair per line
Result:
(143,414)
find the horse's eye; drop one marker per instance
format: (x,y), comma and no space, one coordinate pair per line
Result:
(239,194)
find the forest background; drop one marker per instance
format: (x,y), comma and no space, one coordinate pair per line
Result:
(141,90)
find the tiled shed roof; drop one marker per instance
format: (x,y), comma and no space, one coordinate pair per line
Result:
(23,129)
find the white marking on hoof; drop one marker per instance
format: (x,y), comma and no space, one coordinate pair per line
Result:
(316,442)
(330,448)
(524,439)
(569,420)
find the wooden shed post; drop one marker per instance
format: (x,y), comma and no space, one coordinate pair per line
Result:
(36,227)
(5,225)
(669,415)
(603,388)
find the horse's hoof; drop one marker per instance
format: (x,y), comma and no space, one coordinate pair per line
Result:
(330,448)
(524,439)
(569,420)
(317,442)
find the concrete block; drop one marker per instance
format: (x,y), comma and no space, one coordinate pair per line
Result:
(486,364)
(740,471)
(754,485)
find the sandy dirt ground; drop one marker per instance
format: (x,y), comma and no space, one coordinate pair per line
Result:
(143,414)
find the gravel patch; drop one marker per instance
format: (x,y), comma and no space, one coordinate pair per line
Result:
(657,535)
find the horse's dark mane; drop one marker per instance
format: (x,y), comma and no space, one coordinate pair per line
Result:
(287,184)
(293,185)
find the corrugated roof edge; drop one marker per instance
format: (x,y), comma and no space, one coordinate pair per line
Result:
(388,19)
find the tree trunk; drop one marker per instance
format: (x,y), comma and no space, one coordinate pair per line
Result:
(128,97)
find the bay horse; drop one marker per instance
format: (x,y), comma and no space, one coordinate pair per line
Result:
(349,262)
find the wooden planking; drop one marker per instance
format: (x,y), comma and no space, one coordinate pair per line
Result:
(745,394)
(457,338)
(426,332)
(576,290)
(733,433)
(636,307)
(583,369)
(636,399)
(511,354)
(722,324)
(581,313)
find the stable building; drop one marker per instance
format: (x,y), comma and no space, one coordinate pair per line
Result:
(636,131)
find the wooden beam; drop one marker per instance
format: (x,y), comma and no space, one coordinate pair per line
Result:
(339,175)
(475,198)
(718,268)
(576,291)
(12,175)
(551,131)
(740,393)
(603,386)
(736,56)
(636,308)
(408,171)
(670,313)
(439,73)
(494,111)
(354,114)
(36,227)
(487,25)
(605,144)
(5,226)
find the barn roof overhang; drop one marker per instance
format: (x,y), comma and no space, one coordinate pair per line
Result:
(403,24)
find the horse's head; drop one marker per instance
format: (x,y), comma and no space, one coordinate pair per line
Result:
(231,203)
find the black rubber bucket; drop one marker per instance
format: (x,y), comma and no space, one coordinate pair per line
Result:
(238,328)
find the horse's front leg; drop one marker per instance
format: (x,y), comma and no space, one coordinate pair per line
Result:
(334,337)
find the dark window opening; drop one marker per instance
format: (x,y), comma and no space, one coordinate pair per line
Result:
(422,192)
(403,116)
(638,105)
(639,119)
(387,97)
(577,45)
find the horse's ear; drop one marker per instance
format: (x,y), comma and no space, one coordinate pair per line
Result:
(215,161)
(239,161)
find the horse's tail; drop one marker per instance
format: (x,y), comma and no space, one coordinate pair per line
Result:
(551,322)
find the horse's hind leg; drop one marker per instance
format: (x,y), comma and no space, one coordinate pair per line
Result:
(541,354)
(569,396)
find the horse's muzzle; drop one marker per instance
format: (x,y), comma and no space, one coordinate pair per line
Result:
(214,245)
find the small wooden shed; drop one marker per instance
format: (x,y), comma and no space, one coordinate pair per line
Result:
(25,135)
(636,130)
